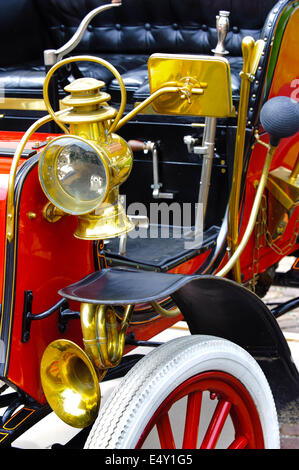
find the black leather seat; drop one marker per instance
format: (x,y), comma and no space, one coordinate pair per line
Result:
(125,36)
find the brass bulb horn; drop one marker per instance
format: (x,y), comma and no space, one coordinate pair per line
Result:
(70,383)
(70,376)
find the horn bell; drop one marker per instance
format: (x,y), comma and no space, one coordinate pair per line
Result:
(110,222)
(70,383)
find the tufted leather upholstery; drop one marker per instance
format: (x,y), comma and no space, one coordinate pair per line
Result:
(145,26)
(125,36)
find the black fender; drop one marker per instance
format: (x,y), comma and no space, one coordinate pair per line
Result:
(211,306)
(220,307)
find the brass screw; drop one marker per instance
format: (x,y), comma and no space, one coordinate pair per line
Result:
(31,215)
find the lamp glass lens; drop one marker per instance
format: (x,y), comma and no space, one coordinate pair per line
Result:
(74,174)
(80,171)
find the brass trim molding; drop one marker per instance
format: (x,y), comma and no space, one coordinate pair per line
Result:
(24,104)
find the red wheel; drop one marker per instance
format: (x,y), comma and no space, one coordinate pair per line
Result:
(192,392)
(233,401)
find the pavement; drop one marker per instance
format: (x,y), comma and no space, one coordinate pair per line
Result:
(289,324)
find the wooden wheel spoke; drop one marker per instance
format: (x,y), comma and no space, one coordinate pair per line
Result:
(216,425)
(165,432)
(192,420)
(239,443)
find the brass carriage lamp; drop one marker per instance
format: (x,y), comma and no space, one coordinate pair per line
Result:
(80,172)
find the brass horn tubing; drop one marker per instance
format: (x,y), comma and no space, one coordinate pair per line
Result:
(166,313)
(233,212)
(94,343)
(112,334)
(107,336)
(150,99)
(111,341)
(89,333)
(85,58)
(253,215)
(13,171)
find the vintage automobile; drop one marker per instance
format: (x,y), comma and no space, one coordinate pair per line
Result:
(100,253)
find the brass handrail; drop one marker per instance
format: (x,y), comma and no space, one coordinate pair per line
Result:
(251,55)
(253,215)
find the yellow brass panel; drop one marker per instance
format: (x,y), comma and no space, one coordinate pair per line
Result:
(284,188)
(282,177)
(192,73)
(277,218)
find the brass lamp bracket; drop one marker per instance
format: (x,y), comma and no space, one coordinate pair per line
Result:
(85,58)
(247,76)
(52,213)
(188,86)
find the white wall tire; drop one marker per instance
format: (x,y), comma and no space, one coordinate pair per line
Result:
(144,391)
